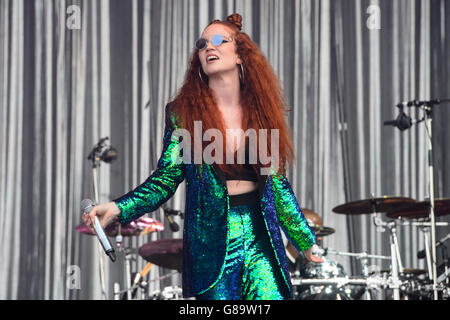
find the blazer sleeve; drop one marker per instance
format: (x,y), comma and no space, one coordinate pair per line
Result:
(161,184)
(290,216)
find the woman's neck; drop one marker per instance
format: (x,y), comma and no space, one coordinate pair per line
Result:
(226,90)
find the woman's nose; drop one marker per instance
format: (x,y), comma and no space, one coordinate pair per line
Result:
(209,45)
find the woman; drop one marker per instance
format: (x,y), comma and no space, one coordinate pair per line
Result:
(232,245)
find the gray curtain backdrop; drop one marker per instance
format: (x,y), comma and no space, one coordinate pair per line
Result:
(72,72)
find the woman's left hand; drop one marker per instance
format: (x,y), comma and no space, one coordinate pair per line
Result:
(311,257)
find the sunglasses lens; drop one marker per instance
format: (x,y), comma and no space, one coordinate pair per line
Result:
(217,39)
(200,44)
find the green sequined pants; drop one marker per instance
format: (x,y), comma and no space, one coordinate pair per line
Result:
(250,271)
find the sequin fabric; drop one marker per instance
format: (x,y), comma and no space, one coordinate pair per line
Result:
(250,270)
(206,212)
(162,183)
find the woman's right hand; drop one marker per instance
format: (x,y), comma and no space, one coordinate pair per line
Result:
(106,213)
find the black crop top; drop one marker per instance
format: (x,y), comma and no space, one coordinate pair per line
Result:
(246,173)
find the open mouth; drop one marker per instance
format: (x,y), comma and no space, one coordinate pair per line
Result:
(211,59)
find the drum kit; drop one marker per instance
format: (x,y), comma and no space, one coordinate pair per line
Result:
(329,281)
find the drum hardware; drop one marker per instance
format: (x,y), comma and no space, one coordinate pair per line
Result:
(396,262)
(363,257)
(131,288)
(374,206)
(129,255)
(141,226)
(444,276)
(407,272)
(425,228)
(372,282)
(368,284)
(318,289)
(123,294)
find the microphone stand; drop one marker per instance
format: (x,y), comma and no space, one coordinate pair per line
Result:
(96,163)
(429,125)
(96,155)
(427,107)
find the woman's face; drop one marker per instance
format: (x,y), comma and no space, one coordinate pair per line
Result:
(226,52)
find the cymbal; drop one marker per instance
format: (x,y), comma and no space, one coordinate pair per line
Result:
(165,253)
(381,204)
(422,209)
(322,231)
(140,226)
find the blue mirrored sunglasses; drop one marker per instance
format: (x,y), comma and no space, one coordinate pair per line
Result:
(216,40)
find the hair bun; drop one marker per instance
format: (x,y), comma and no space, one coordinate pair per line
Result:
(235,19)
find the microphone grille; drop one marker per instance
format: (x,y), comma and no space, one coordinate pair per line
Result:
(85,203)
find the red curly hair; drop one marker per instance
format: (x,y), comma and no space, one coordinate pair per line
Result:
(262,98)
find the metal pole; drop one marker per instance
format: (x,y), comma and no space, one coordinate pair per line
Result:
(395,286)
(99,247)
(426,232)
(394,237)
(428,115)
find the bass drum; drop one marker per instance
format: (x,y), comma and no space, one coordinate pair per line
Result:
(326,270)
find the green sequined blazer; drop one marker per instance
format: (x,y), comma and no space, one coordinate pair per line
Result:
(207,204)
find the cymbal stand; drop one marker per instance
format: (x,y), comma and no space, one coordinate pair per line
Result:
(129,255)
(426,236)
(363,257)
(428,110)
(396,262)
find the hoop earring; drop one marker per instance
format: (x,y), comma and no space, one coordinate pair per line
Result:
(200,75)
(242,72)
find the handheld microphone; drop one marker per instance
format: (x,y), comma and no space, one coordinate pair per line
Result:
(86,206)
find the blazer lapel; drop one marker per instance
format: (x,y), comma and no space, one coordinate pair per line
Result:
(261,184)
